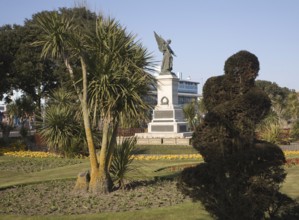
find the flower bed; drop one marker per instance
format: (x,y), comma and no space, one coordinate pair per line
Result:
(290,153)
(32,154)
(167,157)
(38,154)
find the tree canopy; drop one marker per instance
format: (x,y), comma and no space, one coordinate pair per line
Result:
(21,66)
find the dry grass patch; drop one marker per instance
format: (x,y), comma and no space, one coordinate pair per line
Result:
(57,198)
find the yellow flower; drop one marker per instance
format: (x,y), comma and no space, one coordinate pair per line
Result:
(167,157)
(32,154)
(291,153)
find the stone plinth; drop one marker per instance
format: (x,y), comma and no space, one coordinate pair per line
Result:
(168,117)
(168,120)
(167,90)
(164,135)
(146,139)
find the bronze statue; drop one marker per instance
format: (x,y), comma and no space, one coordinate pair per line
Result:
(164,47)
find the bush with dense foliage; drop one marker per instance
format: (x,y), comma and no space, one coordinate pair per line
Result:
(61,127)
(241,176)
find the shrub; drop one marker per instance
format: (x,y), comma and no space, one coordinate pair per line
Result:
(295,131)
(271,133)
(6,129)
(23,132)
(121,161)
(241,176)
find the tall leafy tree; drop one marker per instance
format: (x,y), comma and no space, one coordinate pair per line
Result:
(62,38)
(33,75)
(21,65)
(9,44)
(292,107)
(278,95)
(284,109)
(22,108)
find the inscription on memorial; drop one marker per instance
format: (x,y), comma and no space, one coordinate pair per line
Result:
(168,128)
(163,114)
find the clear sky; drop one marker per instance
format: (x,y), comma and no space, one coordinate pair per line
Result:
(203,33)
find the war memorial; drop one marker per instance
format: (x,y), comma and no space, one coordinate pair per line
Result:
(168,125)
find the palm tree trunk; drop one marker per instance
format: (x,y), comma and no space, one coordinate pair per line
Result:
(112,144)
(104,184)
(94,119)
(96,178)
(94,165)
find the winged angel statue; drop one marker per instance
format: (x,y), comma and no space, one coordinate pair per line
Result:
(167,54)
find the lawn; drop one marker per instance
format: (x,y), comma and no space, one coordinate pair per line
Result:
(291,184)
(154,195)
(165,149)
(41,188)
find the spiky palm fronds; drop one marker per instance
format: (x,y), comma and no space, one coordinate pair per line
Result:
(122,159)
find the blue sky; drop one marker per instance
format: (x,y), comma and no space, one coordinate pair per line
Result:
(203,33)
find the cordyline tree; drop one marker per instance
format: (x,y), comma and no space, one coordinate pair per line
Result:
(241,176)
(107,69)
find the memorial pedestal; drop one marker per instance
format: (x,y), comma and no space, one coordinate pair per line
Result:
(168,118)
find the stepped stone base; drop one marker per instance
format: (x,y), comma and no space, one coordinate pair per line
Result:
(163,135)
(168,125)
(164,138)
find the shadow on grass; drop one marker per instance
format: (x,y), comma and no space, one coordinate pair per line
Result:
(137,183)
(140,151)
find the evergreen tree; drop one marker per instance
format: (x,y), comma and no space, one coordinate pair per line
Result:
(241,176)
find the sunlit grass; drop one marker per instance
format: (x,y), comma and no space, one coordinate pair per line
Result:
(147,167)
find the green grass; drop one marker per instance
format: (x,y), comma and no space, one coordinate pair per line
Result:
(291,184)
(9,178)
(164,149)
(142,170)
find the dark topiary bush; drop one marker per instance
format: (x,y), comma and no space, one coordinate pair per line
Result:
(241,176)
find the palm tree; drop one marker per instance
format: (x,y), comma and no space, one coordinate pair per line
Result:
(62,38)
(61,126)
(122,159)
(118,85)
(268,129)
(112,66)
(191,114)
